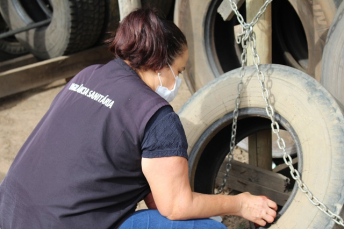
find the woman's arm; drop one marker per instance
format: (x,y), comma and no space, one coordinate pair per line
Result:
(150,203)
(169,182)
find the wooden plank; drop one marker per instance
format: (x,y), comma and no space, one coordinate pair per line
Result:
(225,9)
(17,62)
(260,149)
(282,167)
(257,181)
(48,71)
(260,141)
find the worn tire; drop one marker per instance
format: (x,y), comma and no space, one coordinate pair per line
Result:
(75,25)
(213,51)
(332,76)
(302,106)
(9,47)
(163,6)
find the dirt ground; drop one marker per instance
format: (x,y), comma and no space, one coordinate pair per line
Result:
(20,113)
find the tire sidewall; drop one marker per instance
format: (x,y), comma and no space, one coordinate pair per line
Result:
(190,19)
(308,108)
(333,57)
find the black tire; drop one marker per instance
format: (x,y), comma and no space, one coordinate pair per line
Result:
(163,6)
(332,76)
(303,107)
(9,47)
(75,25)
(297,38)
(111,20)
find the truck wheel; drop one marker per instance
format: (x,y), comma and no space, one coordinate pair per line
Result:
(332,75)
(303,108)
(9,47)
(297,38)
(75,25)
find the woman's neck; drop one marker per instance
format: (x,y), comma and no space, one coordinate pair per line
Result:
(147,76)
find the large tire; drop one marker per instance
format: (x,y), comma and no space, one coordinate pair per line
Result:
(75,25)
(9,47)
(332,77)
(298,37)
(163,6)
(303,107)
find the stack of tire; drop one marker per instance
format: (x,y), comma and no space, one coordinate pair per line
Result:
(75,25)
(66,27)
(305,50)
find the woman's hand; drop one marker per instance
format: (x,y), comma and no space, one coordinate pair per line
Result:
(257,209)
(169,182)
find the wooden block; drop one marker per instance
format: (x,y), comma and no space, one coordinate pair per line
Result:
(282,167)
(17,62)
(237,30)
(48,71)
(225,9)
(257,181)
(260,149)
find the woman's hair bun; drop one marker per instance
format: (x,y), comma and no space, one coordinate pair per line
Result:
(147,40)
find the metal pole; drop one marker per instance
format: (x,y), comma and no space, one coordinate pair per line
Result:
(26,28)
(127,6)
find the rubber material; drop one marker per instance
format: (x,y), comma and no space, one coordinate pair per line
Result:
(332,75)
(75,26)
(9,47)
(308,109)
(163,6)
(209,59)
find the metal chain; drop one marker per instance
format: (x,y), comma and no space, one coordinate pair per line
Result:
(248,38)
(244,39)
(244,43)
(255,19)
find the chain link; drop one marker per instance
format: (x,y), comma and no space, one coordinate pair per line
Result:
(248,39)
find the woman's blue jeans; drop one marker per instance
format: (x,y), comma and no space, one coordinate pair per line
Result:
(152,219)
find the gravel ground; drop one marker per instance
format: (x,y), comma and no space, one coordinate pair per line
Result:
(20,113)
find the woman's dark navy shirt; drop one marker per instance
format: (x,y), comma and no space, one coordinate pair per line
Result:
(81,166)
(164,135)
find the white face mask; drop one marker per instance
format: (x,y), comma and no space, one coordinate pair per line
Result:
(164,92)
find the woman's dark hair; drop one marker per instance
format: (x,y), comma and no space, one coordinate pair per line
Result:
(147,40)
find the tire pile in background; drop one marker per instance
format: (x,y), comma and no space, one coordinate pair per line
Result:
(299,31)
(75,25)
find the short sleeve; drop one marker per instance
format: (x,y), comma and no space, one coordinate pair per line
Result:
(164,135)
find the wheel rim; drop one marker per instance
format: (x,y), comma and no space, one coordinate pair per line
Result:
(204,161)
(224,53)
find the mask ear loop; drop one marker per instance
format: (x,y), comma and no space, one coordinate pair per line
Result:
(172,70)
(159,78)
